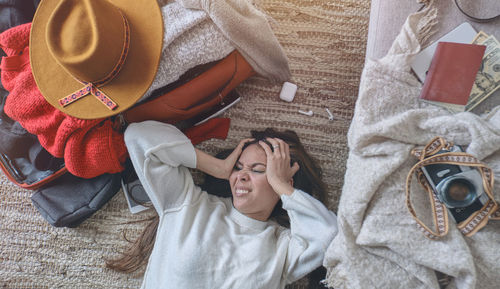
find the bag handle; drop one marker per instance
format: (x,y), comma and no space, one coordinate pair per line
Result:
(428,156)
(475,19)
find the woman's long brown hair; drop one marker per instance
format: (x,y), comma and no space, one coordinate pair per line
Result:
(308,179)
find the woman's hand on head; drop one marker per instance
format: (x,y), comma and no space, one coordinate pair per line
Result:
(216,167)
(229,162)
(279,172)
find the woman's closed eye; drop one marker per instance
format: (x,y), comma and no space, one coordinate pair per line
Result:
(257,168)
(259,171)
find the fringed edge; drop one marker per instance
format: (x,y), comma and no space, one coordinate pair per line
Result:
(427,24)
(332,281)
(418,27)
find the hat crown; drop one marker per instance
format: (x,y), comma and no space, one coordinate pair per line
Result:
(86,37)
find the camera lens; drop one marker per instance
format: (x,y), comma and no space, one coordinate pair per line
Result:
(458,192)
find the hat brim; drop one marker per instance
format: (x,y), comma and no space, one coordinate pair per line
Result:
(134,79)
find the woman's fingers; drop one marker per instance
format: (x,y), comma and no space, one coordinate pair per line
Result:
(295,168)
(239,147)
(274,144)
(244,141)
(266,148)
(281,153)
(279,171)
(284,149)
(228,163)
(278,146)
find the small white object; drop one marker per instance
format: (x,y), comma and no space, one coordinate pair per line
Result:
(288,91)
(442,173)
(308,113)
(330,115)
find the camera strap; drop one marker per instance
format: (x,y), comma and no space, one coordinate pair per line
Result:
(427,156)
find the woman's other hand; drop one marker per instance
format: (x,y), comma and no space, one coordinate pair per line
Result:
(229,163)
(216,167)
(279,172)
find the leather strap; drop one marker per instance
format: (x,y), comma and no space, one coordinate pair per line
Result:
(475,19)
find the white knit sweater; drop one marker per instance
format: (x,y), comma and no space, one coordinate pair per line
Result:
(202,240)
(190,39)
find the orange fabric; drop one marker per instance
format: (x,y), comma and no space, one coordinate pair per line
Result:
(213,128)
(195,96)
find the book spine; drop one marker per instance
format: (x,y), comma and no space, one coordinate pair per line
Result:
(429,79)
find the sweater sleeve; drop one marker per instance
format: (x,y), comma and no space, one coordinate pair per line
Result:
(161,155)
(312,228)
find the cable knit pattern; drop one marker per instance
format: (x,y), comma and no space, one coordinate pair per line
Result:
(249,32)
(89,147)
(190,39)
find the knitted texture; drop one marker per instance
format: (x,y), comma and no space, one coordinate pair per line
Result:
(250,32)
(190,39)
(89,147)
(379,244)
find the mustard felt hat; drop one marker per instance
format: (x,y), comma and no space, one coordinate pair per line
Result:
(95,58)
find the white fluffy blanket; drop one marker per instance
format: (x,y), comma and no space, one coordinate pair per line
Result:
(379,245)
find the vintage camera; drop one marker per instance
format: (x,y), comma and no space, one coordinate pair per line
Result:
(459,188)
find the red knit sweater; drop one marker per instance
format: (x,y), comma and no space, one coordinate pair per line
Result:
(89,147)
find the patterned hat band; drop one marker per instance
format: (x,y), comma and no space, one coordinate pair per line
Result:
(93,87)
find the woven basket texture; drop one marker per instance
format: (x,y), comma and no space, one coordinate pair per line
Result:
(325,41)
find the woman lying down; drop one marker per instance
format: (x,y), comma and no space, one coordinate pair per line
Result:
(268,233)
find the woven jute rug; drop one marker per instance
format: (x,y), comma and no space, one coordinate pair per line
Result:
(325,41)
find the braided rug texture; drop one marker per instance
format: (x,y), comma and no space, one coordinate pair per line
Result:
(325,41)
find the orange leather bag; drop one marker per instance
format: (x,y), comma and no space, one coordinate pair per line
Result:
(195,96)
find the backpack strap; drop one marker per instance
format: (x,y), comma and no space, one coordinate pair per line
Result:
(428,156)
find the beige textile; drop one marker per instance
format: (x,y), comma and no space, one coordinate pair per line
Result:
(379,244)
(250,32)
(191,38)
(324,41)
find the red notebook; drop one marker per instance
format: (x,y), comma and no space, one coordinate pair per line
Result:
(452,73)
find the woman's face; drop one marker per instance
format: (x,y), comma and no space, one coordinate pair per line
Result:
(252,193)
